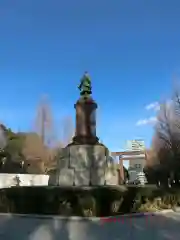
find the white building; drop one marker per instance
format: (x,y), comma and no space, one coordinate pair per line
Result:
(136,162)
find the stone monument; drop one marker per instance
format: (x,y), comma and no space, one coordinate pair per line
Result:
(85,161)
(85,114)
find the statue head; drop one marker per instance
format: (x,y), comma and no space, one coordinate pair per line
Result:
(86,74)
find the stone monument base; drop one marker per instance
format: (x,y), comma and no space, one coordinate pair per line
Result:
(86,165)
(85,140)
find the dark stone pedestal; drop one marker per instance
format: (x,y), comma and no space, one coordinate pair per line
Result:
(85,122)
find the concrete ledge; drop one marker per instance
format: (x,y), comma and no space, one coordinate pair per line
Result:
(76,218)
(138,215)
(35,216)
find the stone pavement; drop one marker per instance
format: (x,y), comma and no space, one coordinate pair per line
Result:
(158,227)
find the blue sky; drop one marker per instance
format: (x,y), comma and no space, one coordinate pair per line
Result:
(130,48)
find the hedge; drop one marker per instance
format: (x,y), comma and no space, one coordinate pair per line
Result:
(96,201)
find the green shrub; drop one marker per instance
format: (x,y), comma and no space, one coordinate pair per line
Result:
(97,201)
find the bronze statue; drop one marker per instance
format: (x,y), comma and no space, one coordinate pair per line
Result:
(85,85)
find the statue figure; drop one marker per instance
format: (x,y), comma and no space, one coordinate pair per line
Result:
(85,85)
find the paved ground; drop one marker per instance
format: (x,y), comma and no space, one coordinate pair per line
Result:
(166,227)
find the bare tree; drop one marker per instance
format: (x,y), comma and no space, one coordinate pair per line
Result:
(151,157)
(41,147)
(44,121)
(33,147)
(166,139)
(167,135)
(48,148)
(35,153)
(3,139)
(67,130)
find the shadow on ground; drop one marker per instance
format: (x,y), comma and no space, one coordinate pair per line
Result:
(159,227)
